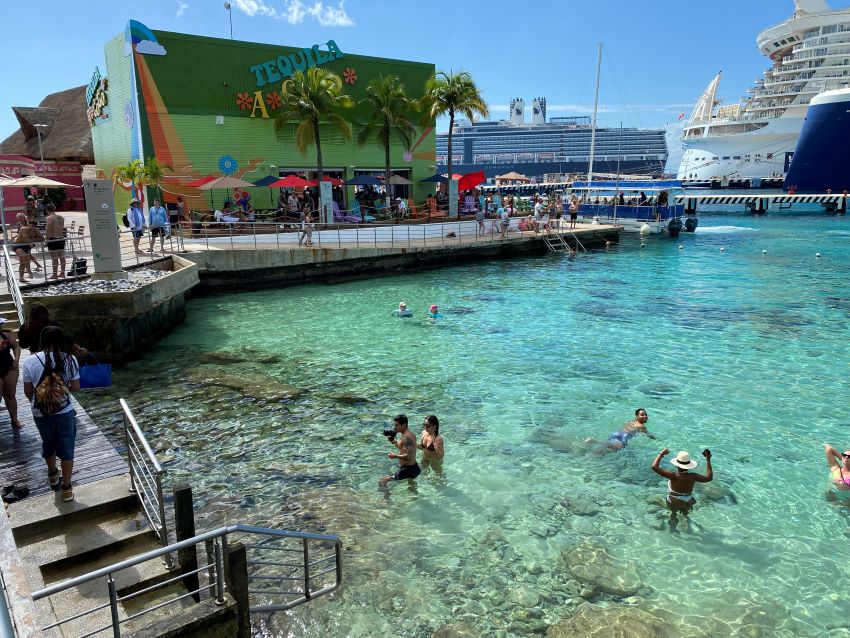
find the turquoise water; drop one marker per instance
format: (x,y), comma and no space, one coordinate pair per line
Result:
(271,404)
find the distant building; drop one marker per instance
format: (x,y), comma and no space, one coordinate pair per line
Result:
(65,142)
(560,145)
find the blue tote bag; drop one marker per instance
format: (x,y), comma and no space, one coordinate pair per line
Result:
(96,375)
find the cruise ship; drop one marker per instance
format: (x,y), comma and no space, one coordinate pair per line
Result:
(560,146)
(756,137)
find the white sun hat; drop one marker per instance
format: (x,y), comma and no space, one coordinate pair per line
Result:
(684,461)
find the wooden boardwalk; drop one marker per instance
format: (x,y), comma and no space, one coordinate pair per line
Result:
(21,463)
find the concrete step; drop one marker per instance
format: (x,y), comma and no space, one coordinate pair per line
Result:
(81,542)
(30,516)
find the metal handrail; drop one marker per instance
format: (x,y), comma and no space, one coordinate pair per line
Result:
(216,585)
(145,475)
(12,283)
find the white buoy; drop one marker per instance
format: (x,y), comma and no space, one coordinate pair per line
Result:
(681,247)
(645,229)
(722,249)
(817,255)
(764,252)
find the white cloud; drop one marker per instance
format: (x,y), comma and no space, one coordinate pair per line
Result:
(150,48)
(295,11)
(181,8)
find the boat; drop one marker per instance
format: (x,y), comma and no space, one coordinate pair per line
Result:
(821,163)
(647,207)
(757,137)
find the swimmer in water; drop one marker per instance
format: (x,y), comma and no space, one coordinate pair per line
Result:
(431,444)
(434,312)
(839,474)
(402,311)
(619,440)
(680,484)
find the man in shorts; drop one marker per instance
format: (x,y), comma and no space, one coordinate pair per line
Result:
(406,455)
(136,219)
(55,231)
(504,220)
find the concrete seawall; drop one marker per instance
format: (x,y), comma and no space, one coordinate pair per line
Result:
(118,325)
(243,267)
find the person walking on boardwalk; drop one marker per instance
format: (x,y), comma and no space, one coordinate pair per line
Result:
(10,356)
(136,219)
(839,474)
(55,231)
(406,455)
(50,376)
(680,484)
(158,221)
(504,220)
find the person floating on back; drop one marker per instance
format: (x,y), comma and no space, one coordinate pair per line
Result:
(680,484)
(839,474)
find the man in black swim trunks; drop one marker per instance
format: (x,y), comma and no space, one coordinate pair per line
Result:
(406,455)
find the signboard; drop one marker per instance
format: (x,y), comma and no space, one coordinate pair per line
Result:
(452,198)
(93,84)
(327,203)
(284,66)
(105,246)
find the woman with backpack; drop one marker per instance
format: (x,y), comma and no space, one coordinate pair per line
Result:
(50,376)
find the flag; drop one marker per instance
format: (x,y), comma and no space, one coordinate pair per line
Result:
(681,116)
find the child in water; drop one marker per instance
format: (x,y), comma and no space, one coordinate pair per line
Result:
(434,313)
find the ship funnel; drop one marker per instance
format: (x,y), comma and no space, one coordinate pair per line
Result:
(810,6)
(518,111)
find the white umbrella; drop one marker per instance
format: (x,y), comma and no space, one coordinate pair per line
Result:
(228,181)
(35,181)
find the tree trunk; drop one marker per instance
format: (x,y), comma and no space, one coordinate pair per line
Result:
(449,160)
(387,184)
(319,169)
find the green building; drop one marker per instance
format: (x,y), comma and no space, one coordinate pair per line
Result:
(206,107)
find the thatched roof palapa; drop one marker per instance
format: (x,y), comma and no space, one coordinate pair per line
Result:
(66,136)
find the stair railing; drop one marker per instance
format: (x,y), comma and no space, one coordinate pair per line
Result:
(12,283)
(145,475)
(281,573)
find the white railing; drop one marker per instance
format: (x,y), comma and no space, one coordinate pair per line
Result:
(12,283)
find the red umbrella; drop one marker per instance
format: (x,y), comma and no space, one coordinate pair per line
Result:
(333,180)
(456,176)
(290,181)
(197,183)
(471,180)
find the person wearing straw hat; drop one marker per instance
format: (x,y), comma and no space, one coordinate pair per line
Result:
(680,484)
(402,311)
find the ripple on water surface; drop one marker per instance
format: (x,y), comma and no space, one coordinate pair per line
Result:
(271,404)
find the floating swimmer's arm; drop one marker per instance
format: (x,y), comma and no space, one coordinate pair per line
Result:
(833,457)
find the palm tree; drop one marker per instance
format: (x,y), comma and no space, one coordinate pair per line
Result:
(133,172)
(387,100)
(449,94)
(312,98)
(154,172)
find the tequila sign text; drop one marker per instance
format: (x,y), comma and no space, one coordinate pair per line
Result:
(285,65)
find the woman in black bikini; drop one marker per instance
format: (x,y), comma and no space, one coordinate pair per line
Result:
(431,443)
(9,372)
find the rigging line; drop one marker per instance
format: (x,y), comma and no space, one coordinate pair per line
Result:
(630,109)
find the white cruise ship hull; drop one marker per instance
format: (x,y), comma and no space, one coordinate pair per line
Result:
(761,153)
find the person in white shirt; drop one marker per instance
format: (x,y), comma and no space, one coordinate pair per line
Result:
(158,221)
(538,216)
(58,429)
(505,218)
(136,219)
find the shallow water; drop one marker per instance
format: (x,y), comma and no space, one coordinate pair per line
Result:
(740,351)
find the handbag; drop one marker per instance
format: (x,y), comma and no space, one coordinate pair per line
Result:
(96,375)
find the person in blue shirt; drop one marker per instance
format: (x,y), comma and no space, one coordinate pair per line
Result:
(136,219)
(434,312)
(158,221)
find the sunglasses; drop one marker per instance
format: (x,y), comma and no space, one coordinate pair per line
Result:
(846,456)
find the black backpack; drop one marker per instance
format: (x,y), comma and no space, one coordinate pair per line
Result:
(125,221)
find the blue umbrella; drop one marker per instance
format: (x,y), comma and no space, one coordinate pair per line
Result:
(363,180)
(265,181)
(436,178)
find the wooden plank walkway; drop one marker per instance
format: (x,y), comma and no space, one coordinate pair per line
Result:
(21,464)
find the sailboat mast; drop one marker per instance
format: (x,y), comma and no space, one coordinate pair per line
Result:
(595,108)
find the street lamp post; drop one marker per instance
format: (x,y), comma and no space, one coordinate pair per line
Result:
(230,16)
(38,128)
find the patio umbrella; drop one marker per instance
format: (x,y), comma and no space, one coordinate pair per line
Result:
(333,180)
(363,180)
(399,180)
(268,180)
(471,180)
(226,181)
(197,183)
(442,179)
(290,181)
(36,181)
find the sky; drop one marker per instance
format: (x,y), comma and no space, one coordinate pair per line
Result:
(658,55)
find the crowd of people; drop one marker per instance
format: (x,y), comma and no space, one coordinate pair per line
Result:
(27,235)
